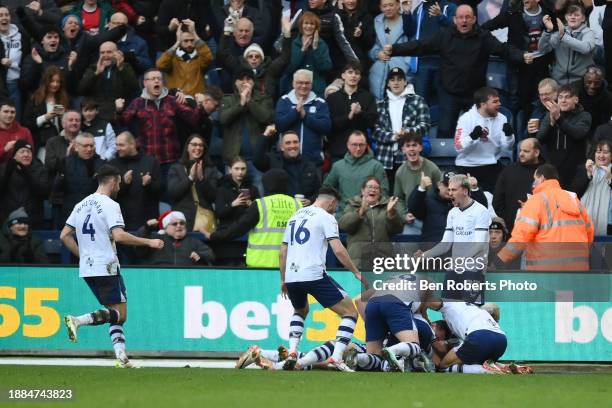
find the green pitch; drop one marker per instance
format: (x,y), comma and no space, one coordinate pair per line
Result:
(204,388)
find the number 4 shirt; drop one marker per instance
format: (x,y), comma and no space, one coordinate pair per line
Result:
(306,236)
(93,220)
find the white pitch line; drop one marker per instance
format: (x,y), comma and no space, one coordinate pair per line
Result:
(107,362)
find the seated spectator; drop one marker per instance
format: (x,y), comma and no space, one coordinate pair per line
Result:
(243,117)
(431,205)
(141,182)
(186,61)
(370,220)
(134,48)
(192,182)
(593,184)
(302,111)
(482,134)
(77,175)
(17,243)
(23,183)
(309,51)
(102,130)
(594,97)
(548,91)
(43,112)
(304,179)
(389,29)
(14,42)
(410,173)
(110,78)
(235,193)
(564,133)
(10,131)
(348,174)
(179,248)
(94,14)
(351,108)
(574,51)
(400,113)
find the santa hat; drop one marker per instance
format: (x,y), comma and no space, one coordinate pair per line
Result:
(169,216)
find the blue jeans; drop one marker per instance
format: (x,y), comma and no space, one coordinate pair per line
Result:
(427,79)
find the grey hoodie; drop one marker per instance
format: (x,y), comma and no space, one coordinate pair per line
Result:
(12,50)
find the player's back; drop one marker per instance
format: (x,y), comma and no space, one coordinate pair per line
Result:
(306,236)
(464,318)
(93,219)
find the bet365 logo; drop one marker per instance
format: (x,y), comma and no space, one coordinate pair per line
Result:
(588,323)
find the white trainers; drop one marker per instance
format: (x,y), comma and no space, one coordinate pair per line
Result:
(339,365)
(394,363)
(248,357)
(122,360)
(72,326)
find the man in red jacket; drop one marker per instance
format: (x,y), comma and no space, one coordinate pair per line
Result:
(10,131)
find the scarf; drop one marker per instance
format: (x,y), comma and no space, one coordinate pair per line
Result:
(186,57)
(597,201)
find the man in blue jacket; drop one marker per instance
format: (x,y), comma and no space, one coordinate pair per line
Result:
(134,48)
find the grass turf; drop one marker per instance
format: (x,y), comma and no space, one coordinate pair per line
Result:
(174,387)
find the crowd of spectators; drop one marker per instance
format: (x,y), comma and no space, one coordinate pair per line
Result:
(194,101)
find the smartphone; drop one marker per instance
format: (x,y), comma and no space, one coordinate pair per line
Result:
(58,108)
(245,192)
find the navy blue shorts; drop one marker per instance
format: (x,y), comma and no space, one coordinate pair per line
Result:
(426,335)
(326,290)
(476,297)
(482,345)
(109,290)
(386,314)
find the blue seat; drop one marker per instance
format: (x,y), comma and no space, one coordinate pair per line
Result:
(443,152)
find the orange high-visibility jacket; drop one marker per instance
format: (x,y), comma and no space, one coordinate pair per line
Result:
(553,229)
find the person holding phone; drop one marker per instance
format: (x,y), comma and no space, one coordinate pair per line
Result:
(235,193)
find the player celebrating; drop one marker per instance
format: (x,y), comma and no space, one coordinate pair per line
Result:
(467,232)
(98,223)
(302,270)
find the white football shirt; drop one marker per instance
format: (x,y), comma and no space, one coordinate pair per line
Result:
(93,219)
(306,236)
(465,318)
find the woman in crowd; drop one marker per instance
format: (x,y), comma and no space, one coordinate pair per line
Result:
(235,193)
(192,182)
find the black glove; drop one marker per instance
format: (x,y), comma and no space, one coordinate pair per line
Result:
(476,133)
(508,131)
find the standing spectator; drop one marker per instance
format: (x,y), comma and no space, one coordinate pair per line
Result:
(482,134)
(193,180)
(348,174)
(564,132)
(594,97)
(110,78)
(17,243)
(232,44)
(425,21)
(186,61)
(135,49)
(153,114)
(14,43)
(304,179)
(548,90)
(102,130)
(514,182)
(351,108)
(179,248)
(77,173)
(302,111)
(237,9)
(172,12)
(42,11)
(10,130)
(141,182)
(593,184)
(411,172)
(400,113)
(464,51)
(94,14)
(23,183)
(44,110)
(243,116)
(370,220)
(358,29)
(573,44)
(209,103)
(309,51)
(235,193)
(389,31)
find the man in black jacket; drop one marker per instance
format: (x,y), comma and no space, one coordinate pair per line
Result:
(304,176)
(464,51)
(17,244)
(515,181)
(140,184)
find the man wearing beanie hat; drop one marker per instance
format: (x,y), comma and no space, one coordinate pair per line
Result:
(498,236)
(186,61)
(265,221)
(23,183)
(179,248)
(17,244)
(11,130)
